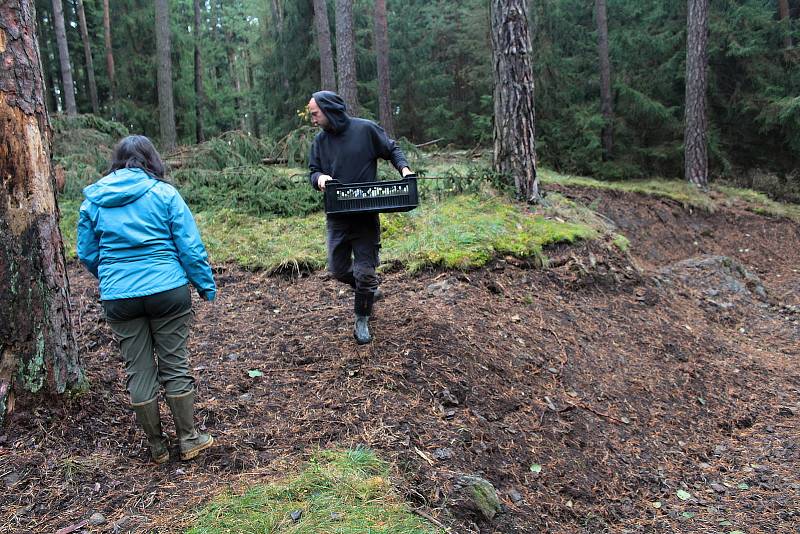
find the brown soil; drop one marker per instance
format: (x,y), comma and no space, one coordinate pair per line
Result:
(625,385)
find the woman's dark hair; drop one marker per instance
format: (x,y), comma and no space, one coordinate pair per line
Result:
(138,151)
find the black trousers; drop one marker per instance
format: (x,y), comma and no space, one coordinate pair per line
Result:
(354,243)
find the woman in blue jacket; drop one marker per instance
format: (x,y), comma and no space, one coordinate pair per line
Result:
(138,237)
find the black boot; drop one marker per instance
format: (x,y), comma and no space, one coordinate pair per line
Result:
(363,309)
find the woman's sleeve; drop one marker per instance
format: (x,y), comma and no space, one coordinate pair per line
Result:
(88,247)
(191,251)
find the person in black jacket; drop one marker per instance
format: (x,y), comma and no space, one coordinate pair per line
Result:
(347,149)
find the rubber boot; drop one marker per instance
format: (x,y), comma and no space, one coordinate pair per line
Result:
(149,419)
(191,441)
(363,309)
(378,295)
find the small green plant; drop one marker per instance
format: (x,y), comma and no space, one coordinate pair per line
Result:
(337,491)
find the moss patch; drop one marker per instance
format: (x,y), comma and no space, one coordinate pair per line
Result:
(338,491)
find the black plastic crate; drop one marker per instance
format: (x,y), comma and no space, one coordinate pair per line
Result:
(371,197)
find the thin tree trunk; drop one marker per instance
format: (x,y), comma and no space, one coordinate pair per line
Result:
(696,119)
(112,83)
(47,57)
(326,71)
(783,13)
(607,135)
(165,105)
(237,82)
(514,120)
(87,52)
(384,78)
(277,17)
(251,104)
(63,55)
(200,96)
(38,352)
(346,55)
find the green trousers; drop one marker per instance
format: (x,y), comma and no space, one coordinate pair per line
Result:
(152,332)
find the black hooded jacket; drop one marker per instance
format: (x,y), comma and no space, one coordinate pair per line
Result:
(348,150)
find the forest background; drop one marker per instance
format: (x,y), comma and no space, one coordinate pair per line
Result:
(260,61)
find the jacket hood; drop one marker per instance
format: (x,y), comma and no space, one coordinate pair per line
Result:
(119,188)
(334,109)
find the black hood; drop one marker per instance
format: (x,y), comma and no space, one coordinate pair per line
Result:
(334,108)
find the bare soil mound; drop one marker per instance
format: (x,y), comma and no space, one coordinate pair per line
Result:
(652,394)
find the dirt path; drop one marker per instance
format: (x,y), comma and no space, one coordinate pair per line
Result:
(625,388)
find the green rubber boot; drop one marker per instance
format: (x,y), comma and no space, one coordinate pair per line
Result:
(191,441)
(149,419)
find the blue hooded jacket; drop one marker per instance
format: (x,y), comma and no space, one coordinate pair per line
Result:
(137,235)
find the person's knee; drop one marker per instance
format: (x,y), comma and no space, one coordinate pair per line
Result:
(365,277)
(141,391)
(176,386)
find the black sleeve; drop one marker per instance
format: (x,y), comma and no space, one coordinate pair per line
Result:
(314,164)
(388,149)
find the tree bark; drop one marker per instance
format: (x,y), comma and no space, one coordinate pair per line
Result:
(606,109)
(326,71)
(514,119)
(384,77)
(783,14)
(166,109)
(38,353)
(63,55)
(199,101)
(87,52)
(346,55)
(250,103)
(112,83)
(696,116)
(45,30)
(277,17)
(237,82)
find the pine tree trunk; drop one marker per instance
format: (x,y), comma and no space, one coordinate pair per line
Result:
(166,110)
(63,54)
(346,55)
(326,71)
(45,30)
(87,52)
(233,72)
(783,14)
(607,135)
(514,120)
(38,353)
(384,77)
(277,17)
(696,119)
(251,104)
(199,101)
(112,83)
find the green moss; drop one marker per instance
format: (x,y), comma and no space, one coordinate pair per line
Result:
(761,204)
(338,491)
(32,372)
(621,242)
(678,190)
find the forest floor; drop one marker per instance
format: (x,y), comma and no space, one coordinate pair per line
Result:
(650,391)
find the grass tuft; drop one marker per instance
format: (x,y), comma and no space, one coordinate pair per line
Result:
(338,491)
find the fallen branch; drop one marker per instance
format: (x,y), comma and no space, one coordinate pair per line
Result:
(601,414)
(429,142)
(430,518)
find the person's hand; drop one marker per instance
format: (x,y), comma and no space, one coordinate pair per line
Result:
(406,171)
(321,181)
